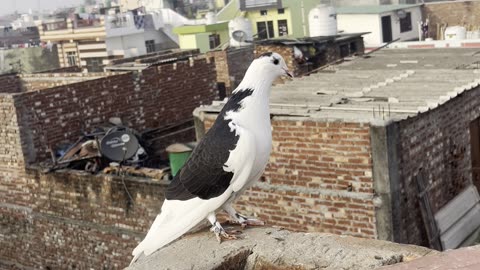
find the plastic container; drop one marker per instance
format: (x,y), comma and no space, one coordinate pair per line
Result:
(178,154)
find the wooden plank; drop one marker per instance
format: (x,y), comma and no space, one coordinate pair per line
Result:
(427,214)
(455,236)
(154,174)
(456,208)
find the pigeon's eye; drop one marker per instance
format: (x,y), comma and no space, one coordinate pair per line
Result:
(276,61)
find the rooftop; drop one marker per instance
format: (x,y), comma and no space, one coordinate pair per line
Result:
(373,9)
(201,28)
(388,85)
(309,40)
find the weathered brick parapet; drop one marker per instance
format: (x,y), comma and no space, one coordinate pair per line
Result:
(70,219)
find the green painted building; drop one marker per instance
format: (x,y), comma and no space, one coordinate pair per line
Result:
(271,19)
(204,37)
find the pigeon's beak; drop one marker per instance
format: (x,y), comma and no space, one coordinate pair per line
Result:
(287,73)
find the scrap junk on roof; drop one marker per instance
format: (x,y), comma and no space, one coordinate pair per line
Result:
(114,147)
(312,53)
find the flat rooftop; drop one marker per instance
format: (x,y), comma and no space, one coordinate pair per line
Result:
(389,85)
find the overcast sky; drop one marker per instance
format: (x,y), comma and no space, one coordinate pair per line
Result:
(9,6)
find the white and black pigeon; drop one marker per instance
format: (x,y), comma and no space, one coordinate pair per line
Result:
(229,159)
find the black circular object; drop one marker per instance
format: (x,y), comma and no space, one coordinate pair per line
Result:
(119,145)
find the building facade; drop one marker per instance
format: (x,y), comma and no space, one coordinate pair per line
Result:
(91,43)
(384,22)
(272,19)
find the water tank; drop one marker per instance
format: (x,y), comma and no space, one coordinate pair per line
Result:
(455,33)
(322,21)
(211,18)
(240,30)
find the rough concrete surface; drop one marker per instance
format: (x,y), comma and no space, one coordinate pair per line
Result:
(465,258)
(275,248)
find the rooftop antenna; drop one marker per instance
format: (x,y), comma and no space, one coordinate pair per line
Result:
(239,36)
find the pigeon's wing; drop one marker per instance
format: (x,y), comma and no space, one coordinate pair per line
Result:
(221,157)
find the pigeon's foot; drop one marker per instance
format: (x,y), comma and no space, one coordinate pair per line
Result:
(219,231)
(237,218)
(221,234)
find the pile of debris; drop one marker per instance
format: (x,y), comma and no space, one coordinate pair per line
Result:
(116,149)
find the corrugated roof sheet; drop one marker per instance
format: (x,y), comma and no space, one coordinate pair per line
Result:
(355,93)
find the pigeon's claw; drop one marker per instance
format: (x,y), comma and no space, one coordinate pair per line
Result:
(225,236)
(221,234)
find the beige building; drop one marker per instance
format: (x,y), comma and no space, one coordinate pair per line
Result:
(79,44)
(92,43)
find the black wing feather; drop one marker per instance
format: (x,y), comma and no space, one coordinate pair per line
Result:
(203,175)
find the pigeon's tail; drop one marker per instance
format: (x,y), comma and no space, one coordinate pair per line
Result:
(175,219)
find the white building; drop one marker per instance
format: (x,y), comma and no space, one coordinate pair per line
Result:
(384,22)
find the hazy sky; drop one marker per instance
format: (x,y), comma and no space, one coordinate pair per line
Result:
(9,6)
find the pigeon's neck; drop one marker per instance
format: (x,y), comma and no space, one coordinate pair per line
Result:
(259,81)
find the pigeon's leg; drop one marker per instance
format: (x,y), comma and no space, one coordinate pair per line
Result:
(217,228)
(241,219)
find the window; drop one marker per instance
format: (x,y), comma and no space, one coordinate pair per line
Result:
(150,45)
(281,11)
(263,12)
(214,40)
(406,23)
(71,59)
(265,30)
(94,64)
(282,28)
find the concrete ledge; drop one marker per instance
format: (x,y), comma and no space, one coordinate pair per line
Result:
(274,248)
(465,258)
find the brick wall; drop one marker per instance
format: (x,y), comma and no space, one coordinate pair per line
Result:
(238,62)
(438,142)
(39,81)
(11,154)
(155,97)
(69,220)
(319,178)
(452,13)
(231,65)
(10,83)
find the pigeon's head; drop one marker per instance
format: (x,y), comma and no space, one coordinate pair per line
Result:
(273,63)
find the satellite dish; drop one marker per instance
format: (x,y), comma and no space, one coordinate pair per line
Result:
(239,35)
(119,145)
(401,14)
